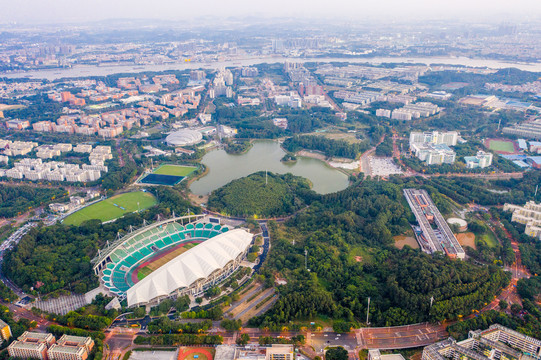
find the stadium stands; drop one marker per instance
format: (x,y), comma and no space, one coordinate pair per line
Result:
(117,266)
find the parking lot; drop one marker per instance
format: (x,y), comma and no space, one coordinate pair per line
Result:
(383,166)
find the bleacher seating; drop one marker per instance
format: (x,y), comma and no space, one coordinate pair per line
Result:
(117,275)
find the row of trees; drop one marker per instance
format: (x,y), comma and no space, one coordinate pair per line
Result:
(179,339)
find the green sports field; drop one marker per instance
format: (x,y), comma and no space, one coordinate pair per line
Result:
(175,170)
(498,145)
(107,210)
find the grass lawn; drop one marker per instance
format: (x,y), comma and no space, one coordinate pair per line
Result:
(175,170)
(498,145)
(488,239)
(155,265)
(107,210)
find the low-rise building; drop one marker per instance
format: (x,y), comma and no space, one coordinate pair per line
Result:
(496,342)
(375,354)
(71,348)
(31,345)
(480,161)
(529,215)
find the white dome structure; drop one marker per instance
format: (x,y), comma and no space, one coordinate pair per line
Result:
(184,137)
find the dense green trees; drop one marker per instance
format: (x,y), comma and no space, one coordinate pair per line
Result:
(329,147)
(261,194)
(164,325)
(336,353)
(19,199)
(400,282)
(385,148)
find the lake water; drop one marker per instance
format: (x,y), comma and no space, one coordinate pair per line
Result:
(108,69)
(265,155)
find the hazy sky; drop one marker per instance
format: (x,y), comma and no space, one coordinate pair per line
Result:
(29,11)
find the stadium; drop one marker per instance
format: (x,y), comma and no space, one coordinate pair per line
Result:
(170,258)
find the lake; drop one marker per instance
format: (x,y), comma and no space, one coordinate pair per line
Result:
(265,155)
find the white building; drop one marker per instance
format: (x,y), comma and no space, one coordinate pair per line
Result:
(529,214)
(479,161)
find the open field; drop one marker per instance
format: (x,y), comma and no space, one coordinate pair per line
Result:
(466,239)
(501,145)
(4,107)
(113,207)
(175,170)
(401,241)
(186,353)
(155,264)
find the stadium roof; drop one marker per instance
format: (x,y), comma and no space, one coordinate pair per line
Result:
(184,137)
(197,263)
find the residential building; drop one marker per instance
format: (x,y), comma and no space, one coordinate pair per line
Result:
(495,343)
(529,215)
(480,161)
(17,124)
(31,345)
(71,348)
(375,354)
(5,331)
(448,138)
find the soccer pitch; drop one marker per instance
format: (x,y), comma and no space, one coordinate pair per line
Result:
(498,145)
(113,207)
(175,170)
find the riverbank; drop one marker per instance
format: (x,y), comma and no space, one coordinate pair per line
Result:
(93,70)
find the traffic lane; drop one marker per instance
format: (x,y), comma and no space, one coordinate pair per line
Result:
(322,340)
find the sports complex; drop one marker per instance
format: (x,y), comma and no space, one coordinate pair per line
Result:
(170,258)
(167,175)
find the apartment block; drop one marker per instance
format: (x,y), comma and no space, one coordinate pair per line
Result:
(529,215)
(5,331)
(31,345)
(71,348)
(495,343)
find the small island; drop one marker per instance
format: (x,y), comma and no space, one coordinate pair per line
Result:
(289,158)
(261,195)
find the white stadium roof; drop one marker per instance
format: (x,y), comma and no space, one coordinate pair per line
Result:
(184,137)
(196,263)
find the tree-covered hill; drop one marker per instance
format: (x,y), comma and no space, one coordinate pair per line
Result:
(263,195)
(349,239)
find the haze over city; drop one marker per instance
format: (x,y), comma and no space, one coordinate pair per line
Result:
(67,11)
